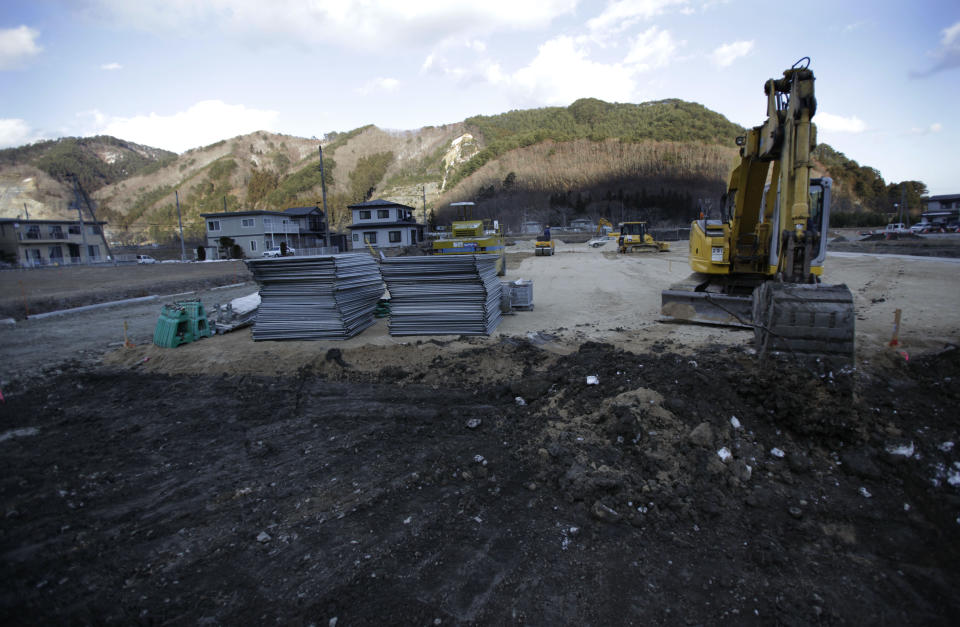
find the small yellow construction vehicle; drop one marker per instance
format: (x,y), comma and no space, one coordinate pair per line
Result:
(544,246)
(473,237)
(634,238)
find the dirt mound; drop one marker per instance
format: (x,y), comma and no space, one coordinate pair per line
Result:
(487,484)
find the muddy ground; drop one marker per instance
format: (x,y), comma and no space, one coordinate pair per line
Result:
(485,481)
(373,497)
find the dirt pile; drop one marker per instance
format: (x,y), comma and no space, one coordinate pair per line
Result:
(492,484)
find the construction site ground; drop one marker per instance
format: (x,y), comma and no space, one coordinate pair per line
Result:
(489,480)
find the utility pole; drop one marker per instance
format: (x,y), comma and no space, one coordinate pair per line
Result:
(424,190)
(26,211)
(224,204)
(903,201)
(326,216)
(183,250)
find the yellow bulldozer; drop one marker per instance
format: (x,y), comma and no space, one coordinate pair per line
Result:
(635,238)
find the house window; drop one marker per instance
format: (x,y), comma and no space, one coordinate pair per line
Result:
(364,214)
(74,229)
(56,254)
(93,251)
(268,223)
(33,231)
(56,232)
(356,237)
(93,229)
(370,237)
(213,225)
(247,223)
(383,213)
(253,245)
(394,237)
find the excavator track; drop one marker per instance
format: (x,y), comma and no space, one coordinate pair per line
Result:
(804,320)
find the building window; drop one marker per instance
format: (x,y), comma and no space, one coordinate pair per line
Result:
(74,229)
(93,229)
(247,223)
(370,237)
(364,214)
(56,232)
(394,237)
(213,225)
(33,231)
(268,223)
(356,237)
(93,251)
(56,254)
(383,213)
(253,245)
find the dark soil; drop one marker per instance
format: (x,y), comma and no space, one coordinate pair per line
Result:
(378,500)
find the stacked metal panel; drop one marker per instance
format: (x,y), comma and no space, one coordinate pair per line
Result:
(443,295)
(325,297)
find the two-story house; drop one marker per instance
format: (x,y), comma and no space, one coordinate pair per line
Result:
(253,231)
(943,209)
(383,224)
(311,223)
(32,243)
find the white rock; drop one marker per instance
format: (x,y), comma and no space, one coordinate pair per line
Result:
(593,380)
(864,492)
(905,450)
(473,423)
(777,452)
(946,447)
(519,401)
(725,454)
(263,536)
(735,423)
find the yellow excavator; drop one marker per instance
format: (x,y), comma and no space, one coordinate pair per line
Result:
(635,238)
(760,265)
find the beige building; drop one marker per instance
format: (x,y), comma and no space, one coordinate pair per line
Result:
(31,243)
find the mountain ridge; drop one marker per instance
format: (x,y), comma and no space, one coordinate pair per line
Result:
(659,160)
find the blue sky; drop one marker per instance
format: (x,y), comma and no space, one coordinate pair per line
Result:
(179,73)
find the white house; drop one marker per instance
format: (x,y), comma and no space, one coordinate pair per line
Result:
(383,224)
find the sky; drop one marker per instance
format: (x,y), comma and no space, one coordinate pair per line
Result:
(178,74)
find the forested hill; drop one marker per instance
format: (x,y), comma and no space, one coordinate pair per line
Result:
(659,161)
(95,161)
(596,120)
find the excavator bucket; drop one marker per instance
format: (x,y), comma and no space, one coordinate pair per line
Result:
(805,320)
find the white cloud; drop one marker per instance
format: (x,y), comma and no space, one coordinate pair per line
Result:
(653,48)
(205,122)
(379,85)
(936,127)
(17,46)
(110,67)
(726,54)
(561,73)
(362,24)
(15,132)
(839,124)
(621,15)
(947,55)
